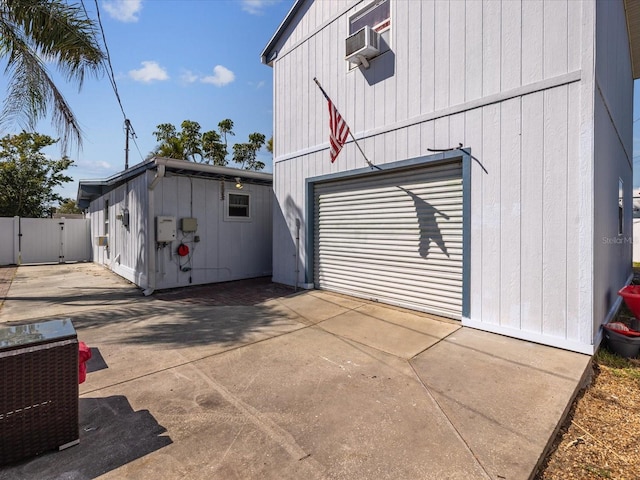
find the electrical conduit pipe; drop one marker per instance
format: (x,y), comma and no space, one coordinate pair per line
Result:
(151,245)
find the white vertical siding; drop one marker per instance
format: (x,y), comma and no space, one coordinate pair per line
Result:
(227,250)
(531,181)
(554,208)
(612,156)
(126,252)
(510,212)
(533,22)
(512,81)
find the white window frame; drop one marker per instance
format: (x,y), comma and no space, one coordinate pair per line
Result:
(228,205)
(106,217)
(381,27)
(620,207)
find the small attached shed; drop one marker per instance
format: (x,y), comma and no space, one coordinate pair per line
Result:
(501,134)
(169,223)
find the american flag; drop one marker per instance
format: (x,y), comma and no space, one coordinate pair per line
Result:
(338,127)
(339,131)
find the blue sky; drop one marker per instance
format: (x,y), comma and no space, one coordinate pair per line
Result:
(173,60)
(182,59)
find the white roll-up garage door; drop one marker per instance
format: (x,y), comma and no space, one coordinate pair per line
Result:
(395,237)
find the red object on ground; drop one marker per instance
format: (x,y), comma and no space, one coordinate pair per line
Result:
(84,354)
(631,295)
(622,329)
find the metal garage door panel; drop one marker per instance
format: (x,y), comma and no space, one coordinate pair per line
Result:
(395,237)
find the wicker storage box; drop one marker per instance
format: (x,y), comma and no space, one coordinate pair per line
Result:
(38,389)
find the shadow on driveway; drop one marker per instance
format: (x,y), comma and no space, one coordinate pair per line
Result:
(175,325)
(112,434)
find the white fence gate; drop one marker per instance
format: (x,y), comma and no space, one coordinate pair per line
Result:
(44,240)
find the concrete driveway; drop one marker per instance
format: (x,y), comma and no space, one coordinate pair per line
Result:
(249,380)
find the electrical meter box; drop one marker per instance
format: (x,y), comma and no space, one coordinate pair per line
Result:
(165,229)
(189,225)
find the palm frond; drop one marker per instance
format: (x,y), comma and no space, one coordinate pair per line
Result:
(35,31)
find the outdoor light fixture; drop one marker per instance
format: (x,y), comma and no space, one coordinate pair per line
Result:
(239,185)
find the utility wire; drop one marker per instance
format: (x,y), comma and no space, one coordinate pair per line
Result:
(111,75)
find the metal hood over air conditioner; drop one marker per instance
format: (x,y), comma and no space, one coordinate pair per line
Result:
(362,45)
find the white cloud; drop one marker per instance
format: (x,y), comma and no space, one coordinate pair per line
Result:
(149,72)
(221,76)
(189,77)
(256,7)
(123,10)
(103,164)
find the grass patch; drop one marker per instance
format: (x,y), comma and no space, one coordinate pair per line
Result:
(620,366)
(600,472)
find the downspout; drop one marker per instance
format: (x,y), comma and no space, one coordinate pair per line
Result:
(151,246)
(297,255)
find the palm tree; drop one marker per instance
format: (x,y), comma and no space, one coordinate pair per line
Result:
(225,127)
(34,33)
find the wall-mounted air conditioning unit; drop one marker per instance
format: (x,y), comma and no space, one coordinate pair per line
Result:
(362,45)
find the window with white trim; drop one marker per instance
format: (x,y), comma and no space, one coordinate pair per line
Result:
(238,206)
(620,207)
(376,15)
(106,216)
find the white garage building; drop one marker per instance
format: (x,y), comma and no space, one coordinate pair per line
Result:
(525,230)
(169,223)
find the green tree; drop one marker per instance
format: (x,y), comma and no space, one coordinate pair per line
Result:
(191,140)
(33,35)
(213,149)
(187,144)
(246,154)
(28,177)
(68,205)
(208,147)
(225,127)
(190,144)
(269,145)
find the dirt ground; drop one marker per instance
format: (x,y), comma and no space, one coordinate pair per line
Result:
(601,436)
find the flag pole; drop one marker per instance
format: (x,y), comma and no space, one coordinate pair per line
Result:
(350,133)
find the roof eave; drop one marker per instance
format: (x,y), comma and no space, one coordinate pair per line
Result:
(89,190)
(266,57)
(632,14)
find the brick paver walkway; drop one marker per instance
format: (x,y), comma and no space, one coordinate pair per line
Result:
(240,292)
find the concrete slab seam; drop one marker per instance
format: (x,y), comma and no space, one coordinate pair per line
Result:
(433,345)
(171,367)
(506,359)
(311,322)
(407,328)
(468,447)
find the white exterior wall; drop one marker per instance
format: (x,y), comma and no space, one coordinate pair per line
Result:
(613,145)
(514,82)
(126,252)
(228,249)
